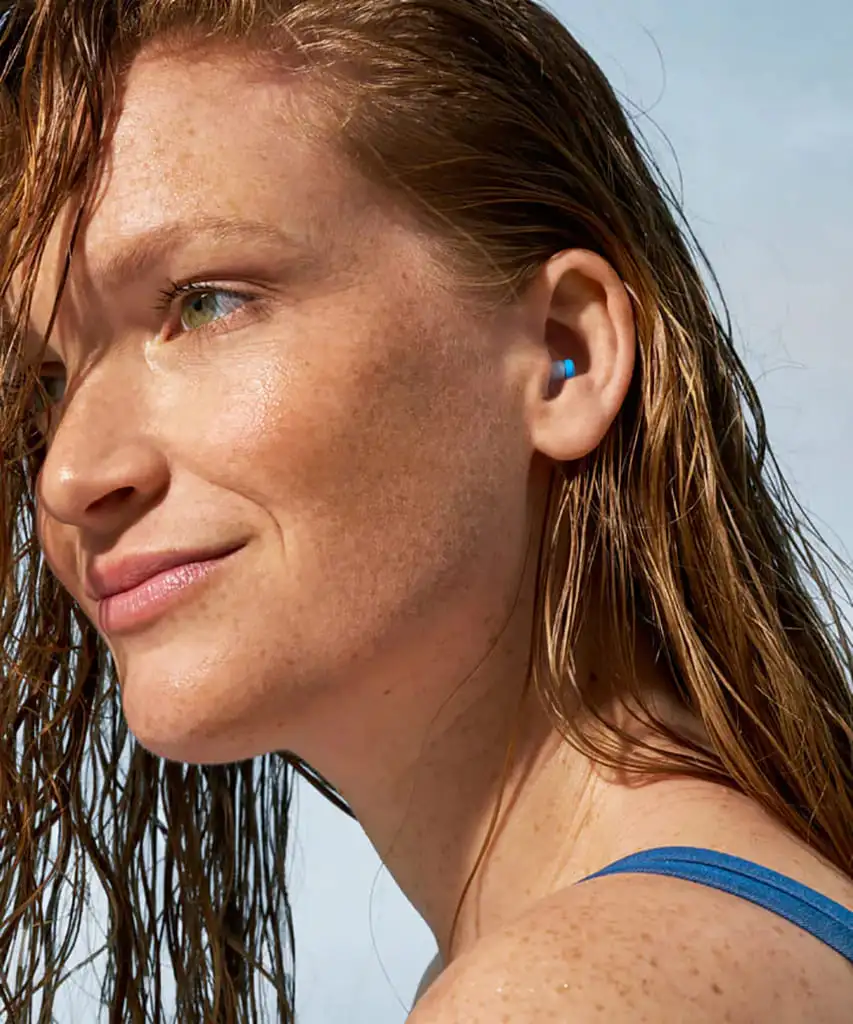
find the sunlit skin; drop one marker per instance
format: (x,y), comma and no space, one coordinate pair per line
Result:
(381,448)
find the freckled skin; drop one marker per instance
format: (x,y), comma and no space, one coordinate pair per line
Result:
(349,435)
(651,950)
(380,449)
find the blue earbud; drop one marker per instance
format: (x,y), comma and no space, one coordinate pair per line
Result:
(562,369)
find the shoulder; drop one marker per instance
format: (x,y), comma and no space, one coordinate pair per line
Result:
(642,948)
(433,970)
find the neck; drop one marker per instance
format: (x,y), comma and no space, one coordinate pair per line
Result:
(438,773)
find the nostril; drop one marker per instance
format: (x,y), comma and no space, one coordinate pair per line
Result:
(118,496)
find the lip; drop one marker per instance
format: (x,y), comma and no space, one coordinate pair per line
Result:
(138,590)
(107,579)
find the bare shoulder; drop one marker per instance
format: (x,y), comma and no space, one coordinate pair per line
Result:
(643,948)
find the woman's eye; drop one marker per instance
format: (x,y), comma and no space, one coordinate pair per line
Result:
(53,383)
(46,397)
(204,308)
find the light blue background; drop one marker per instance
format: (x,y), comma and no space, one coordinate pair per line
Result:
(756,98)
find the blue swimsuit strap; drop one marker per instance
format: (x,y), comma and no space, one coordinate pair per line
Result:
(822,917)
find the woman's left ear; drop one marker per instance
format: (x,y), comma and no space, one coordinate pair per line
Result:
(581,311)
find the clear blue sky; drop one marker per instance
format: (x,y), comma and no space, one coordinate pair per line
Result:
(756,99)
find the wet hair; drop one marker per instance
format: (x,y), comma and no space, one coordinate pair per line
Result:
(509,145)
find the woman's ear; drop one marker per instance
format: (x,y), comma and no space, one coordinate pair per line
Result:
(581,311)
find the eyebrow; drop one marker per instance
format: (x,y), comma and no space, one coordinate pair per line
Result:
(141,252)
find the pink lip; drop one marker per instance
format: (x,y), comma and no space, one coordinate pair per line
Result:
(105,578)
(144,603)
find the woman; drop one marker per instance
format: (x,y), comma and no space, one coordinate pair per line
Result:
(461,497)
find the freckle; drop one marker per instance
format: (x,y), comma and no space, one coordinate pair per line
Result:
(388,693)
(653,960)
(716,988)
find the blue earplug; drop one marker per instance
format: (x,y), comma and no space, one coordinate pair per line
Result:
(562,369)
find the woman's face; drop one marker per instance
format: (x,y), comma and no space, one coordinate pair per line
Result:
(264,358)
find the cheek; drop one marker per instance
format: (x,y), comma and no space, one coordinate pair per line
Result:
(372,463)
(379,509)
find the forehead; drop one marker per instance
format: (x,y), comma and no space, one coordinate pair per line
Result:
(218,137)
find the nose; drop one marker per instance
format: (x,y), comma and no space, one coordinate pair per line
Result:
(101,470)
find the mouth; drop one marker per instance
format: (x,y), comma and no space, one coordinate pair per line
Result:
(129,610)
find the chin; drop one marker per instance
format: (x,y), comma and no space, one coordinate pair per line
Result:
(207,717)
(188,749)
(179,741)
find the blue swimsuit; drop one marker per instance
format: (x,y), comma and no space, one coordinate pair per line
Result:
(815,913)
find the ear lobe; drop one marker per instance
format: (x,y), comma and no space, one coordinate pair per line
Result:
(590,320)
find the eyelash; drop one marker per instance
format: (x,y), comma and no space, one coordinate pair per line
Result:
(175,291)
